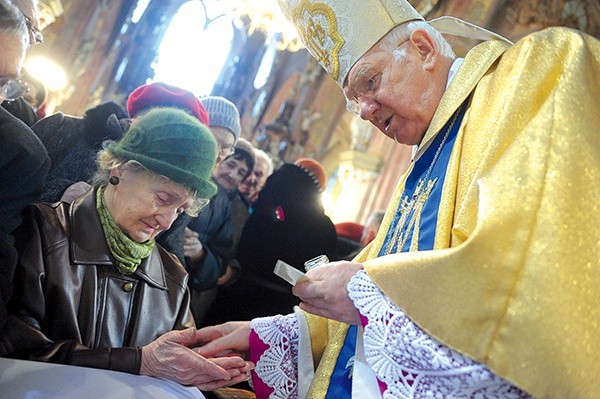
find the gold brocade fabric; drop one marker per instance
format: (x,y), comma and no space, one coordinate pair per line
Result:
(514,280)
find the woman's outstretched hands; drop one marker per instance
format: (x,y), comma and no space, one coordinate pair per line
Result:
(170,357)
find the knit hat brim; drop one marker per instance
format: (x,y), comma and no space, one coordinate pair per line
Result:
(204,188)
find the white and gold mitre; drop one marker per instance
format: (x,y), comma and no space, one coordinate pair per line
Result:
(338,32)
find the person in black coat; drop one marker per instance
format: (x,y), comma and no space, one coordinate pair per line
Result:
(288,223)
(21,109)
(24,163)
(23,159)
(23,167)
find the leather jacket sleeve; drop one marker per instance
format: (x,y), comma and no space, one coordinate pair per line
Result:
(21,340)
(127,360)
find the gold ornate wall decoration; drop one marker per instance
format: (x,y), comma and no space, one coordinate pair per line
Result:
(356,173)
(516,18)
(308,118)
(362,132)
(264,16)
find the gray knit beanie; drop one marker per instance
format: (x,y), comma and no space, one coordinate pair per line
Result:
(223,113)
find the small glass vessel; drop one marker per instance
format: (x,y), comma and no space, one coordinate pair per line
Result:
(314,262)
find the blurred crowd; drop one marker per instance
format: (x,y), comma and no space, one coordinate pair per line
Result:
(126,166)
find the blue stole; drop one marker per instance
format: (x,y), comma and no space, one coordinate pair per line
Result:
(412,229)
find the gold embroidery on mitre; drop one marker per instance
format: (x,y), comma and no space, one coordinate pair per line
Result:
(317,25)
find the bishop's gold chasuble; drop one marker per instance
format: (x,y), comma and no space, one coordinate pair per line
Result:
(491,243)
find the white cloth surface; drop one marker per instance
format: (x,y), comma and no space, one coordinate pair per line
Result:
(20,379)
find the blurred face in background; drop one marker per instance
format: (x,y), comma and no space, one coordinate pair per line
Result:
(230,172)
(30,11)
(256,180)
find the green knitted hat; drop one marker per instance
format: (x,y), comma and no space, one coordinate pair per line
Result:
(172,143)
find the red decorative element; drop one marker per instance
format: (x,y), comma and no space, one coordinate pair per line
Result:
(279,214)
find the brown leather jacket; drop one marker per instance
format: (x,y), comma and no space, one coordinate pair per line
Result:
(71,303)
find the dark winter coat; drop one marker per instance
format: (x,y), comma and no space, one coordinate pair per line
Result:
(73,144)
(22,110)
(24,163)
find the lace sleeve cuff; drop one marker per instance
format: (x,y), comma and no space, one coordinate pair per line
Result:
(274,350)
(411,363)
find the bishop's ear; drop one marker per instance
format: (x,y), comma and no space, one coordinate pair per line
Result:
(425,46)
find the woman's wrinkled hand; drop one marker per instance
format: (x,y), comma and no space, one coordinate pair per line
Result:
(170,357)
(324,292)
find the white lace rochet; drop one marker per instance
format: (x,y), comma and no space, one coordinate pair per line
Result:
(277,366)
(411,363)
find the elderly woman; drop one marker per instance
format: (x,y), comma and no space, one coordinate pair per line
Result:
(93,289)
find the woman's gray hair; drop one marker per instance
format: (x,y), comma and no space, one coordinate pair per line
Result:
(402,32)
(12,21)
(107,161)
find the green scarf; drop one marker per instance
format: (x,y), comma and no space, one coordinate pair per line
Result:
(127,252)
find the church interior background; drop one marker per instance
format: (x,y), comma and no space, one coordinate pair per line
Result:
(103,49)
